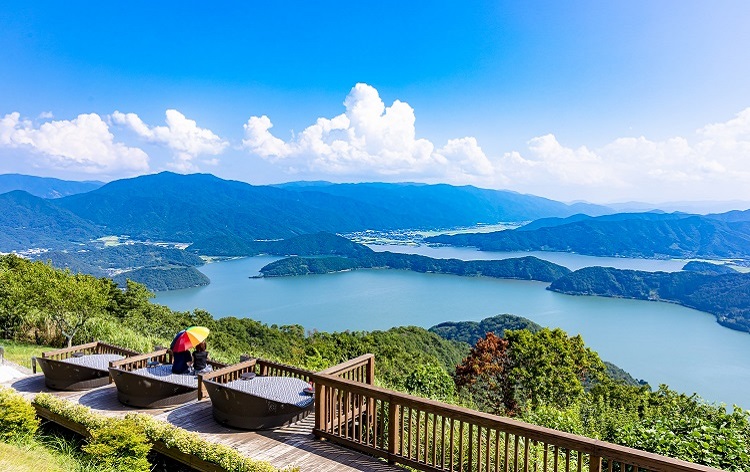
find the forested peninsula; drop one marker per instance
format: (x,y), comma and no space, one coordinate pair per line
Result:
(524,268)
(726,296)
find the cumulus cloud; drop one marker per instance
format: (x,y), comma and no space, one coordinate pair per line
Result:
(368,138)
(182,135)
(711,164)
(83,144)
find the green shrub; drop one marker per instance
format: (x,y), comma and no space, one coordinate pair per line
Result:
(430,381)
(119,445)
(192,444)
(17,417)
(128,440)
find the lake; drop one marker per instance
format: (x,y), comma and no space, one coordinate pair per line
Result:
(658,342)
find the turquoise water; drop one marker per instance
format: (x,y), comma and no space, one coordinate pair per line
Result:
(658,342)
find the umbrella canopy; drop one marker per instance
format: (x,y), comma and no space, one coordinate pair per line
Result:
(189,338)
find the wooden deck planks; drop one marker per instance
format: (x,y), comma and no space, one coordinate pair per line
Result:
(292,445)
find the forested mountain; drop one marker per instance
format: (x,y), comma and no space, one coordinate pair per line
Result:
(727,296)
(630,235)
(28,222)
(524,268)
(45,187)
(445,205)
(207,210)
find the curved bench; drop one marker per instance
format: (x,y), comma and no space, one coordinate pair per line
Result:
(272,399)
(147,381)
(81,367)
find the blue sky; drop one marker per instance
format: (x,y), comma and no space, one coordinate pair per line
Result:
(600,101)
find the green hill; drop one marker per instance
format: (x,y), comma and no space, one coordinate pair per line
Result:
(631,235)
(32,222)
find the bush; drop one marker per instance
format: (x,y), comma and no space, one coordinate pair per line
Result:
(125,440)
(430,381)
(119,445)
(192,444)
(17,417)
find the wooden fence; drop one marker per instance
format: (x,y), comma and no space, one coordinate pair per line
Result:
(434,436)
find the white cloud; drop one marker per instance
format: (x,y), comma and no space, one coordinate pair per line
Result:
(181,135)
(83,144)
(712,164)
(368,138)
(46,115)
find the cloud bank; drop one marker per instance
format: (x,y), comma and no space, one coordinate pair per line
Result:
(84,144)
(373,141)
(181,135)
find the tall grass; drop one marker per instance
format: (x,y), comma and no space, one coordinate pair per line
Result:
(21,353)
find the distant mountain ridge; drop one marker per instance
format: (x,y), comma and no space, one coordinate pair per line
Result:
(649,235)
(448,205)
(198,207)
(45,187)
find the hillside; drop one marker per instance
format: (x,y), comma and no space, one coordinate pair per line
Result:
(161,278)
(726,296)
(45,187)
(441,205)
(109,260)
(525,268)
(318,244)
(32,222)
(626,235)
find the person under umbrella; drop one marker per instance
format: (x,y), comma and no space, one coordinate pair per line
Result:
(181,345)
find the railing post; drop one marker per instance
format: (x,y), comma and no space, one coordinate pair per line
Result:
(371,370)
(595,463)
(320,407)
(394,430)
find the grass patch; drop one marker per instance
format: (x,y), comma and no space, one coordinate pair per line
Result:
(36,456)
(21,353)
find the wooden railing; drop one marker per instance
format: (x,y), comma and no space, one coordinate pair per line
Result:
(96,347)
(261,367)
(434,436)
(360,369)
(162,356)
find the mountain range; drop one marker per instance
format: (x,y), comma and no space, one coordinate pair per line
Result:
(212,212)
(648,235)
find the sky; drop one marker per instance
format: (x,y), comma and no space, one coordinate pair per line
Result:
(580,100)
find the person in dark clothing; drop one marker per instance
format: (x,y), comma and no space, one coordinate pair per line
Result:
(200,359)
(181,362)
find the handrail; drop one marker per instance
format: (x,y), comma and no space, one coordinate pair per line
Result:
(139,361)
(95,347)
(435,436)
(360,369)
(60,353)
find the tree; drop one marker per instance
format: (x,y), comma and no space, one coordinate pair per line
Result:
(71,300)
(526,370)
(548,367)
(485,373)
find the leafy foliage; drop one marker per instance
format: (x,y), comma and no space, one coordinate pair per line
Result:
(119,445)
(525,370)
(127,439)
(17,417)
